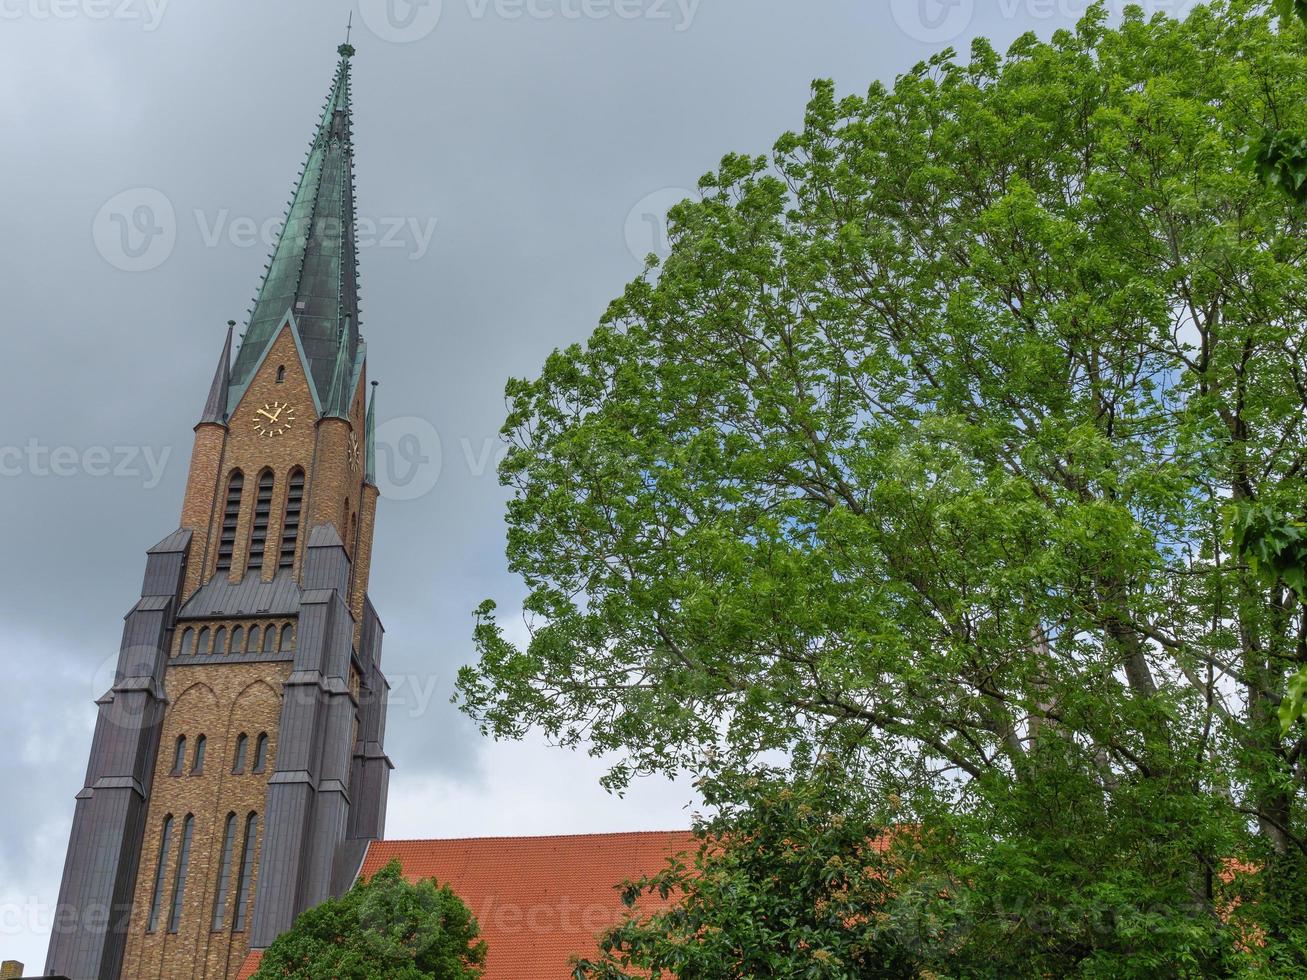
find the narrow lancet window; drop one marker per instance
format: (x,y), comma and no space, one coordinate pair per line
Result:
(224,872)
(246,875)
(290,526)
(262,512)
(160,875)
(261,753)
(230,516)
(183,866)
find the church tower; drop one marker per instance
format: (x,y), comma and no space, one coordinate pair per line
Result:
(237,772)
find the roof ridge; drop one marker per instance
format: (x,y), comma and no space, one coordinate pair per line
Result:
(537,837)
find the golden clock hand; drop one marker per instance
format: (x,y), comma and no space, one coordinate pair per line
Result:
(272,418)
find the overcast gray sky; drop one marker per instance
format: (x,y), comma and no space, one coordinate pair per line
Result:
(514,160)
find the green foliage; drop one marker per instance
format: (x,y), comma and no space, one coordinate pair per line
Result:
(918,451)
(807,878)
(1279,157)
(1277,548)
(1273,546)
(787,882)
(381,929)
(1289,9)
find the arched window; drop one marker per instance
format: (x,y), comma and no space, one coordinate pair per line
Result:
(353,531)
(183,866)
(159,876)
(246,874)
(224,872)
(230,516)
(262,511)
(261,753)
(281,374)
(290,526)
(179,756)
(188,642)
(270,638)
(287,639)
(255,636)
(220,640)
(242,745)
(197,767)
(238,639)
(202,644)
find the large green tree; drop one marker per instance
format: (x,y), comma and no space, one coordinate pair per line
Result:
(384,928)
(923,450)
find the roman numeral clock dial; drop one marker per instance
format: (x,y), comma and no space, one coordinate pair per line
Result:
(274,419)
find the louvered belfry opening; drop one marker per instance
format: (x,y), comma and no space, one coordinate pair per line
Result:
(290,527)
(230,515)
(262,512)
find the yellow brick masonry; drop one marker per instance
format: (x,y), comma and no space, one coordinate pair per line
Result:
(220,703)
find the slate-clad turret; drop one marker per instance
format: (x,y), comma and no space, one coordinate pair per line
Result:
(215,406)
(313,274)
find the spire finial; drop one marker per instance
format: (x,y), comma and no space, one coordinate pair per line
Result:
(347,50)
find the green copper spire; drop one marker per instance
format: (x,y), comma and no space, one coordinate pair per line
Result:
(313,274)
(370,439)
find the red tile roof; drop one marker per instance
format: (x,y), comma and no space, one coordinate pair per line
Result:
(250,965)
(540,901)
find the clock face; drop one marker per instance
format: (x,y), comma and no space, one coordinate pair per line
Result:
(353,452)
(273,419)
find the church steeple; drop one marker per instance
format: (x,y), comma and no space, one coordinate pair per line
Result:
(313,273)
(255,642)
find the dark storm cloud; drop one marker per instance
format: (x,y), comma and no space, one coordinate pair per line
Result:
(514,159)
